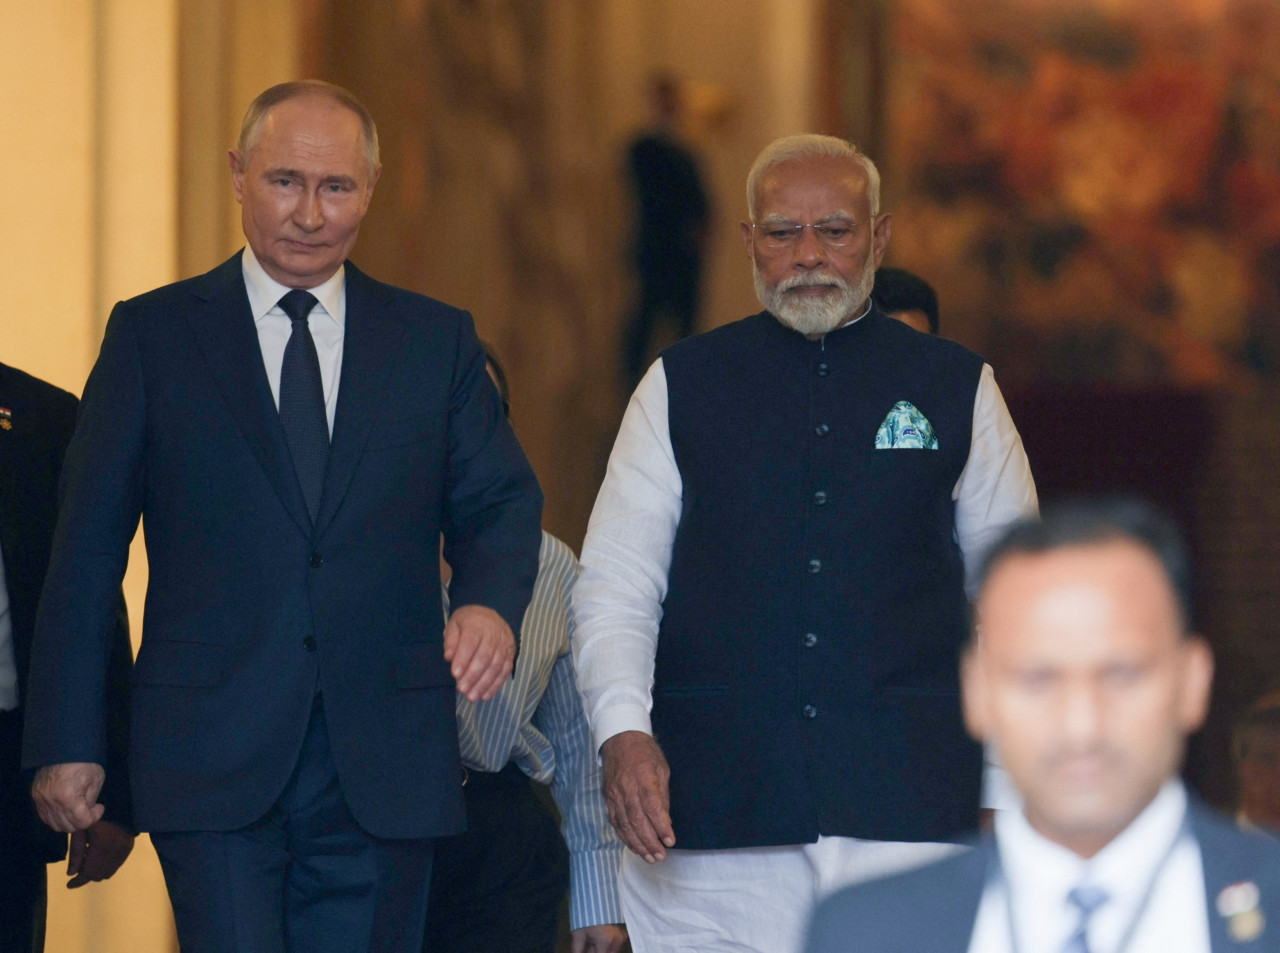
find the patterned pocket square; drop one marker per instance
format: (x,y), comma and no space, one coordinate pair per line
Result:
(905,428)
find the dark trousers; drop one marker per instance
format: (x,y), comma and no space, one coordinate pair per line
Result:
(25,847)
(23,891)
(498,887)
(305,878)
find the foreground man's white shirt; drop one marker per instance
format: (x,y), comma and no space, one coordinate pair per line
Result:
(1043,872)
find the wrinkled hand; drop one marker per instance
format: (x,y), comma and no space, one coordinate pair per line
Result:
(604,938)
(479,644)
(97,853)
(635,790)
(66,795)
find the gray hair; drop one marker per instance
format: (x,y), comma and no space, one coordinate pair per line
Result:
(810,146)
(256,114)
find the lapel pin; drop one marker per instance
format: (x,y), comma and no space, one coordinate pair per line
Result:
(6,418)
(1238,904)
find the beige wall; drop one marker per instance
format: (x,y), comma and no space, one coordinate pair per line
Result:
(89,133)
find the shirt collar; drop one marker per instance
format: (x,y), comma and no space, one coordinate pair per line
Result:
(866,310)
(1037,865)
(265,292)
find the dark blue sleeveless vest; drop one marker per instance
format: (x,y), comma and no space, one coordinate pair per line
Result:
(806,679)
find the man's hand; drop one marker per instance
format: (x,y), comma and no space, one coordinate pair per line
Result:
(97,853)
(635,790)
(66,795)
(479,644)
(604,938)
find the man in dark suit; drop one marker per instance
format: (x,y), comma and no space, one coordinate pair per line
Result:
(296,436)
(36,420)
(1085,675)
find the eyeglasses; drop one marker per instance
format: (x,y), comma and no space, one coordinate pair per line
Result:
(782,235)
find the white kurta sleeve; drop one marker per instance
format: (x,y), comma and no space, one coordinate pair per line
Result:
(617,601)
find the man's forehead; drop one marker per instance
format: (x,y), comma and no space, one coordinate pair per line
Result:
(310,116)
(1074,586)
(312,132)
(843,176)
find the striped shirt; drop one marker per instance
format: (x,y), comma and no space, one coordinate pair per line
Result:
(537,721)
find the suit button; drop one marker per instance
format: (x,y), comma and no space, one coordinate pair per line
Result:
(819,498)
(309,643)
(822,430)
(809,640)
(316,561)
(823,369)
(815,566)
(810,711)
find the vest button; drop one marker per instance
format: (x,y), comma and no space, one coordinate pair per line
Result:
(819,498)
(815,566)
(822,430)
(823,369)
(810,711)
(316,561)
(809,640)
(309,643)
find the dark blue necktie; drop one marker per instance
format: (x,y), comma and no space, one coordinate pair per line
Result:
(1086,900)
(306,428)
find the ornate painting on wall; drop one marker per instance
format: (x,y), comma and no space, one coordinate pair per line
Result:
(1094,185)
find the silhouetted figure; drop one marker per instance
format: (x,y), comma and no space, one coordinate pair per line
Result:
(672,212)
(907,297)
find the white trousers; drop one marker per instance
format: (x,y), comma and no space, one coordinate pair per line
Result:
(751,900)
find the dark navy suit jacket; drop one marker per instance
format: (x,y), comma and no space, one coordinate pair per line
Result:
(934,909)
(250,608)
(41,418)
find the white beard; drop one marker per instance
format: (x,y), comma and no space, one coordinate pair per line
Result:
(818,315)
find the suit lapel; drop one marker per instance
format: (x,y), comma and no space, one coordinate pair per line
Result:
(223,327)
(370,344)
(1225,863)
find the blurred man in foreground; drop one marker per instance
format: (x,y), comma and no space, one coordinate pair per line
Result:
(1086,676)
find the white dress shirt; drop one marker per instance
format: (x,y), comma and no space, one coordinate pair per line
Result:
(1042,873)
(327,321)
(8,667)
(617,602)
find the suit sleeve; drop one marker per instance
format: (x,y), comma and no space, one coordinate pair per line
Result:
(101,490)
(116,796)
(493,507)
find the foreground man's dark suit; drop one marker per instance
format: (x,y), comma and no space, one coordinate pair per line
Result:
(934,909)
(40,420)
(251,610)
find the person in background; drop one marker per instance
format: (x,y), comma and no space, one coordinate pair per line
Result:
(907,297)
(772,601)
(498,886)
(1256,751)
(1086,674)
(36,421)
(673,213)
